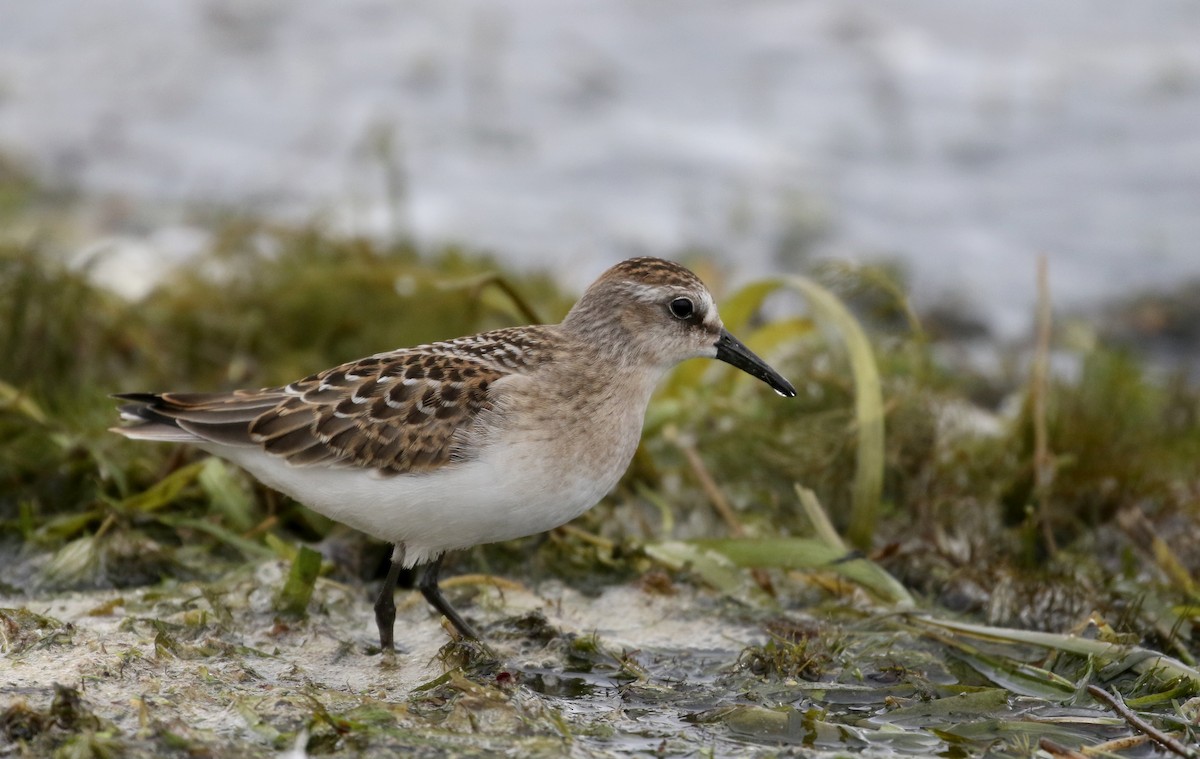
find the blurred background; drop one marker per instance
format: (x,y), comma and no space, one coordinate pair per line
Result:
(955,141)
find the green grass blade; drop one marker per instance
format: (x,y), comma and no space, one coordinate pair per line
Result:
(1140,659)
(13,399)
(163,492)
(738,309)
(297,591)
(868,407)
(711,566)
(1017,677)
(246,547)
(819,519)
(227,493)
(809,554)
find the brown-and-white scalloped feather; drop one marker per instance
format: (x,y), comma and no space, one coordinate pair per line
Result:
(406,411)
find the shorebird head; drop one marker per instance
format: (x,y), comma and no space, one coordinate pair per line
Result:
(655,312)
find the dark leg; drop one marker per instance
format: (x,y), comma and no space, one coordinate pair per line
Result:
(429,588)
(385,603)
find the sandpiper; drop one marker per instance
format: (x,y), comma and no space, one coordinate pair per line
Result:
(475,440)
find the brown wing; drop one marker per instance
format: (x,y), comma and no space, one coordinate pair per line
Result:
(397,412)
(396,415)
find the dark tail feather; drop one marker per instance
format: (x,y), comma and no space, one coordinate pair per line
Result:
(191,417)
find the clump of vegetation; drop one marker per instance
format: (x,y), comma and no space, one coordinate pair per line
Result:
(68,726)
(804,654)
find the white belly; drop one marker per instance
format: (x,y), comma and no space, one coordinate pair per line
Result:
(508,492)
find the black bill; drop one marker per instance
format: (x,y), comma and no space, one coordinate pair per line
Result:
(733,352)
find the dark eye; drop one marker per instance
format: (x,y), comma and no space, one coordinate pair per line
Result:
(682,308)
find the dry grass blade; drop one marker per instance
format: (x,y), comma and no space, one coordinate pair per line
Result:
(715,495)
(477,285)
(1056,749)
(1136,722)
(1043,460)
(1141,532)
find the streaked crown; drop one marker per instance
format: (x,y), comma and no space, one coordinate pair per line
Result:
(652,272)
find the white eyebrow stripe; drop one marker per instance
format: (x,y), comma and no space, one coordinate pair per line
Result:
(711,317)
